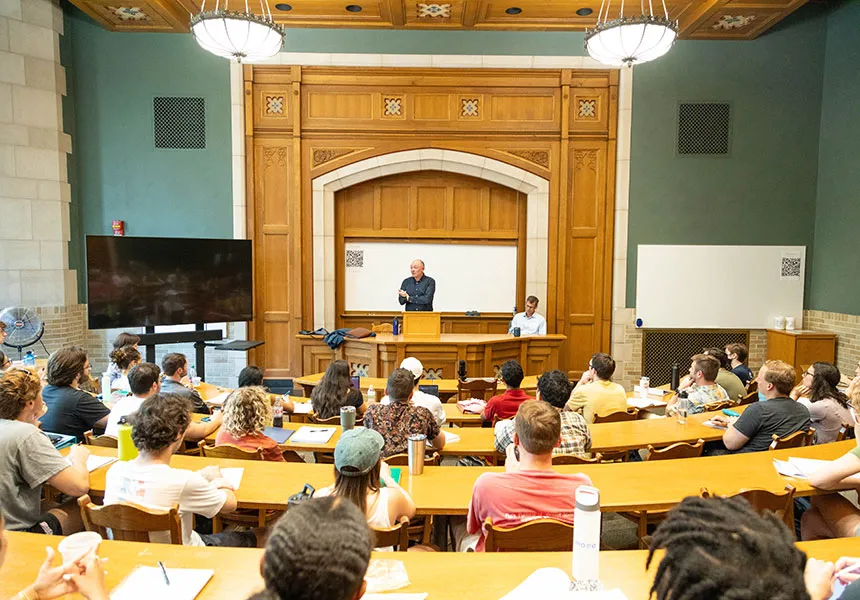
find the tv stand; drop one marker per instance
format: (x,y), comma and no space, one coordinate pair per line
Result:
(199,336)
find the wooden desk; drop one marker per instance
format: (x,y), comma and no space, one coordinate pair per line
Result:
(380,355)
(800,347)
(448,490)
(448,575)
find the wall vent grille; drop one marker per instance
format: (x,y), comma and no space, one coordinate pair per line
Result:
(179,123)
(704,128)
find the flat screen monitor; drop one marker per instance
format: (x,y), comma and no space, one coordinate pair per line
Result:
(147,281)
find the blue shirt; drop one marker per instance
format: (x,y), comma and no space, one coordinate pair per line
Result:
(420,293)
(744,373)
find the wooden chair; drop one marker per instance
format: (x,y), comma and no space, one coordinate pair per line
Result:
(781,504)
(575,459)
(382,328)
(539,535)
(397,536)
(679,450)
(846,432)
(130,522)
(335,420)
(477,387)
(228,451)
(749,398)
(631,414)
(752,387)
(402,460)
(421,527)
(798,439)
(715,406)
(103,441)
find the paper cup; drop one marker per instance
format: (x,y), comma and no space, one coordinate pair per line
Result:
(78,545)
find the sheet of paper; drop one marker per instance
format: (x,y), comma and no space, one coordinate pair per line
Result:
(218,400)
(554,583)
(145,583)
(807,466)
(312,435)
(710,423)
(450,438)
(96,462)
(647,403)
(302,408)
(651,391)
(785,468)
(233,475)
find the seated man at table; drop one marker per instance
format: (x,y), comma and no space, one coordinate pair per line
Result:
(419,398)
(28,460)
(735,388)
(529,322)
(779,415)
(554,389)
(158,430)
(504,406)
(595,394)
(529,488)
(144,379)
(701,386)
(738,354)
(71,411)
(400,419)
(175,367)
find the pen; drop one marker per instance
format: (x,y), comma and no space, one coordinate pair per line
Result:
(164,572)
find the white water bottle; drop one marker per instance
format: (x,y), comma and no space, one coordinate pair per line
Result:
(105,386)
(586,534)
(371,395)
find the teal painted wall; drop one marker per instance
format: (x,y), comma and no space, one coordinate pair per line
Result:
(764,191)
(119,173)
(835,282)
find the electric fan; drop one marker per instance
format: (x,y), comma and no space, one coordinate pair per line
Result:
(24,327)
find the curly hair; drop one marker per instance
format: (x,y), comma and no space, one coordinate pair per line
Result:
(160,421)
(824,383)
(319,550)
(125,357)
(17,388)
(330,393)
(65,365)
(246,411)
(721,549)
(554,388)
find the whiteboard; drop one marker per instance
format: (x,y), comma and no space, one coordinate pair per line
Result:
(468,276)
(741,287)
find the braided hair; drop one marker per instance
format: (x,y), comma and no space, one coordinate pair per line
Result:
(721,549)
(319,550)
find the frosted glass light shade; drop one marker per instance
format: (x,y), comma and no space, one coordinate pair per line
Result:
(242,36)
(631,40)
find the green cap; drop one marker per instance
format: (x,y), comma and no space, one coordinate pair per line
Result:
(357,451)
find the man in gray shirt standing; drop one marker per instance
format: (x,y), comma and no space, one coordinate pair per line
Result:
(417,292)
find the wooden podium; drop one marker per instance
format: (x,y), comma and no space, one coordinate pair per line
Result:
(422,324)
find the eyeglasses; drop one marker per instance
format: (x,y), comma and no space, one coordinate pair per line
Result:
(808,373)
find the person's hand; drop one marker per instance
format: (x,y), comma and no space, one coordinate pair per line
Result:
(402,294)
(210,473)
(79,455)
(686,382)
(512,463)
(90,580)
(217,417)
(223,484)
(587,377)
(800,391)
(385,475)
(817,576)
(720,420)
(185,380)
(846,562)
(50,582)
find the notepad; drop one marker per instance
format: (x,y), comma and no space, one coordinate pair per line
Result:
(646,403)
(278,434)
(312,435)
(233,475)
(145,583)
(302,408)
(97,462)
(799,468)
(550,582)
(219,399)
(715,425)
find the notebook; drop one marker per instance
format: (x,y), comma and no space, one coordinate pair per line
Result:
(145,583)
(302,408)
(97,462)
(799,468)
(312,435)
(218,400)
(233,475)
(278,434)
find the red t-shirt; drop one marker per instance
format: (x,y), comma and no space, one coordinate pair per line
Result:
(505,406)
(271,450)
(510,499)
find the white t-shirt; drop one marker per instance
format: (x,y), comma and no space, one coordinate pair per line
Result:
(534,325)
(161,486)
(121,383)
(428,401)
(122,408)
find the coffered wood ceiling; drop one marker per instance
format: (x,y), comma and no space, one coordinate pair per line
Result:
(698,19)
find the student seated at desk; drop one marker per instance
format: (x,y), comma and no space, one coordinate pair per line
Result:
(738,354)
(553,388)
(158,429)
(252,376)
(71,411)
(778,414)
(419,398)
(333,392)
(504,406)
(28,460)
(361,477)
(400,419)
(121,341)
(84,576)
(144,380)
(319,550)
(721,548)
(832,515)
(726,378)
(529,488)
(701,385)
(595,394)
(175,368)
(124,358)
(246,412)
(828,406)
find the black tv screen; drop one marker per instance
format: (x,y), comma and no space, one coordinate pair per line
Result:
(140,281)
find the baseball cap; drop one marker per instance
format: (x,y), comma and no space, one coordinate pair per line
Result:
(413,365)
(357,450)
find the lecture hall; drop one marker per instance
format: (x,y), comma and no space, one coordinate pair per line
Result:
(470,299)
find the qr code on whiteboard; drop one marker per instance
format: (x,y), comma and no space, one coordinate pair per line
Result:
(355,258)
(790,267)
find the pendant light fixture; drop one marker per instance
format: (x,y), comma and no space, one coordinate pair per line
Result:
(630,39)
(236,34)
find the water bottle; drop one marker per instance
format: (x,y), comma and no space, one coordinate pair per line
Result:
(395,326)
(586,536)
(683,407)
(192,375)
(676,377)
(105,386)
(644,384)
(126,449)
(371,395)
(29,359)
(278,414)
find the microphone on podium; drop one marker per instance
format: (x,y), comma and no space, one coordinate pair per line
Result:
(461,371)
